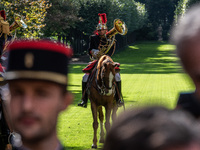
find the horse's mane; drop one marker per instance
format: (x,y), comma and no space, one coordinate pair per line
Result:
(102,59)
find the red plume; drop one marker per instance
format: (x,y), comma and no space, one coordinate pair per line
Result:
(3,14)
(103,18)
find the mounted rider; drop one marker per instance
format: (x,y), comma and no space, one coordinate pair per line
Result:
(103,43)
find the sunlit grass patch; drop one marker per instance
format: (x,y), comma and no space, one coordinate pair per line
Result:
(147,52)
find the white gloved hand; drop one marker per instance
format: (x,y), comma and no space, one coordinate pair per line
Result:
(95,52)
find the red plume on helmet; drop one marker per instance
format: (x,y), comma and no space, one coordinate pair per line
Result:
(102,18)
(102,21)
(3,14)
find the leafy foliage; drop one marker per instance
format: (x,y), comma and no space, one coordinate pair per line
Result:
(160,18)
(61,17)
(149,19)
(89,13)
(182,7)
(132,13)
(32,12)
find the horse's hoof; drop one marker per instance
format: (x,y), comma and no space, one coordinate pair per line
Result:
(82,104)
(94,146)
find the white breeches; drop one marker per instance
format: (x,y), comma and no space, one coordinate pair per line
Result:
(85,77)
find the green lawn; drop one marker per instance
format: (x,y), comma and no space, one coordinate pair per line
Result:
(151,75)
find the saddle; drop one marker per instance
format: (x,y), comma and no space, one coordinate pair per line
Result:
(91,66)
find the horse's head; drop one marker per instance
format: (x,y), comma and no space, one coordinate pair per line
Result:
(106,74)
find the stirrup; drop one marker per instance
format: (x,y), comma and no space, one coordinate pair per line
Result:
(83,104)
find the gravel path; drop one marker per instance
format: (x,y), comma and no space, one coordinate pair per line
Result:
(80,60)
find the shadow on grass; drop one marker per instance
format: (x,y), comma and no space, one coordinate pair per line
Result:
(76,68)
(145,52)
(143,58)
(142,68)
(77,96)
(148,57)
(140,58)
(100,146)
(150,68)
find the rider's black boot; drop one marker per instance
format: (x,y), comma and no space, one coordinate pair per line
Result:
(84,99)
(118,95)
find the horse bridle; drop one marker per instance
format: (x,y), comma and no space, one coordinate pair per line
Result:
(103,89)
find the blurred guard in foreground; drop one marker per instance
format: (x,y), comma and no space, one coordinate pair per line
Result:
(38,91)
(186,37)
(154,128)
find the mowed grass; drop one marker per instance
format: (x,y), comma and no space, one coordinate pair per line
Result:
(151,75)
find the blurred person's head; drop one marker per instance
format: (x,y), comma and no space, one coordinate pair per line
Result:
(37,78)
(153,128)
(186,36)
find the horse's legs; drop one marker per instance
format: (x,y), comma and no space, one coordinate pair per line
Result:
(114,113)
(95,123)
(101,118)
(108,112)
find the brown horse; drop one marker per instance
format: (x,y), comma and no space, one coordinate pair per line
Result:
(101,93)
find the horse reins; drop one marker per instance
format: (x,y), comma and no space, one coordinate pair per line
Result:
(102,89)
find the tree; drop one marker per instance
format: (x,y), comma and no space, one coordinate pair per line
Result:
(32,12)
(160,18)
(132,13)
(89,11)
(182,7)
(61,17)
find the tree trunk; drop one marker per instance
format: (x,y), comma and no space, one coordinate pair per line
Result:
(59,38)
